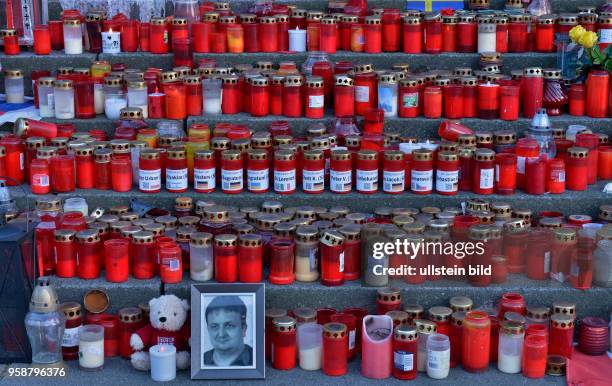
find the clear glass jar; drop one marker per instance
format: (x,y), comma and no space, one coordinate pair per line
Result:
(113,103)
(201,256)
(137,96)
(310,345)
(313,57)
(73,37)
(540,130)
(510,347)
(211,88)
(438,356)
(46,104)
(187,9)
(76,204)
(387,94)
(45,331)
(63,96)
(602,265)
(13,86)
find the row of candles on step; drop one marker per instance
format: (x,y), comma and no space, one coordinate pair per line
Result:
(261,162)
(92,336)
(346,88)
(400,342)
(387,30)
(333,247)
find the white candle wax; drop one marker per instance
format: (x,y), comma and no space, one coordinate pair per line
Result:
(310,358)
(91,347)
(297,40)
(113,106)
(99,98)
(111,42)
(73,45)
(163,362)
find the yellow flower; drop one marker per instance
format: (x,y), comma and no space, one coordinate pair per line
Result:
(576,33)
(588,39)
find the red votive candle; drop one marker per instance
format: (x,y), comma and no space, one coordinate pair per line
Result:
(532,91)
(226,258)
(158,36)
(476,340)
(335,349)
(590,142)
(561,335)
(412,35)
(130,320)
(432,102)
(284,343)
(129,35)
(89,251)
(488,100)
(250,252)
(453,101)
(433,33)
(170,263)
(535,175)
(509,102)
(116,254)
(576,168)
(505,173)
(42,40)
(597,88)
(121,174)
(282,258)
(267,34)
(62,173)
(391,29)
(65,253)
(327,35)
(372,34)
(604,166)
(332,258)
(449,33)
(388,299)
(143,255)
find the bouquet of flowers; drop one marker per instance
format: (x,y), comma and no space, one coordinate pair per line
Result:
(589,53)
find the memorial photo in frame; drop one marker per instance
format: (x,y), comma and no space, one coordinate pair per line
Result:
(227,331)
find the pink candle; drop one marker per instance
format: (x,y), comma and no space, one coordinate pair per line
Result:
(376,346)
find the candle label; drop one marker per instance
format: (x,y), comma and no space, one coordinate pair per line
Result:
(171,263)
(520,165)
(51,101)
(40,180)
(410,99)
(557,175)
(403,360)
(486,178)
(231,180)
(605,35)
(110,42)
(313,180)
(204,178)
(315,101)
(362,94)
(149,179)
(367,180)
(340,181)
(393,181)
(176,179)
(547,262)
(71,337)
(284,181)
(422,180)
(313,259)
(258,180)
(341,258)
(438,360)
(447,181)
(351,340)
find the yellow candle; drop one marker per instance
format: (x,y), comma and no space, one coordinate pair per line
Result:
(235,38)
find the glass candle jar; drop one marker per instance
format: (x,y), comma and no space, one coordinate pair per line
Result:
(532,91)
(525,148)
(74,322)
(121,174)
(412,35)
(149,171)
(306,253)
(63,97)
(432,24)
(476,340)
(453,101)
(282,259)
(534,356)
(292,96)
(46,105)
(511,302)
(447,173)
(62,173)
(432,102)
(313,172)
(13,86)
(250,252)
(137,96)
(89,252)
(421,179)
(10,41)
(510,348)
(158,36)
(563,252)
(204,171)
(201,256)
(116,260)
(176,170)
(314,98)
(509,102)
(505,173)
(387,94)
(555,94)
(449,33)
(438,356)
(590,142)
(561,335)
(340,172)
(73,37)
(335,345)
(284,172)
(258,171)
(577,99)
(405,352)
(230,96)
(487,36)
(366,89)
(484,168)
(283,347)
(488,100)
(391,28)
(344,96)
(260,91)
(518,32)
(85,167)
(267,33)
(393,172)
(372,34)
(176,97)
(408,97)
(212,96)
(143,255)
(366,172)
(65,253)
(332,258)
(327,35)
(555,176)
(232,172)
(545,34)
(576,169)
(226,258)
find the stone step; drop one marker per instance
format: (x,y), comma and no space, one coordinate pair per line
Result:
(592,302)
(119,371)
(570,202)
(414,127)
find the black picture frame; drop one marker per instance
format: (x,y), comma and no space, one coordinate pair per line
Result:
(206,292)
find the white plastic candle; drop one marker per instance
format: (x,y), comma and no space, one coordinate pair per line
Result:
(113,105)
(91,347)
(297,40)
(163,362)
(111,42)
(487,37)
(99,98)
(73,37)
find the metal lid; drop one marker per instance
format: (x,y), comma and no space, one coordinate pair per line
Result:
(96,301)
(556,365)
(284,323)
(562,321)
(305,315)
(461,303)
(226,240)
(425,326)
(512,327)
(564,308)
(71,310)
(440,314)
(130,315)
(389,294)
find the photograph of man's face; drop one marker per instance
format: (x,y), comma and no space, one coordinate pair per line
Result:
(228,331)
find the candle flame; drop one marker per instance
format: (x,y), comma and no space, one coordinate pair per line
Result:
(110,30)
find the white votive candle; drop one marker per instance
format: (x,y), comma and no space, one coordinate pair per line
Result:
(113,104)
(297,40)
(111,42)
(91,347)
(163,362)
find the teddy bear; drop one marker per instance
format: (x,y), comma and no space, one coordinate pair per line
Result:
(167,325)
